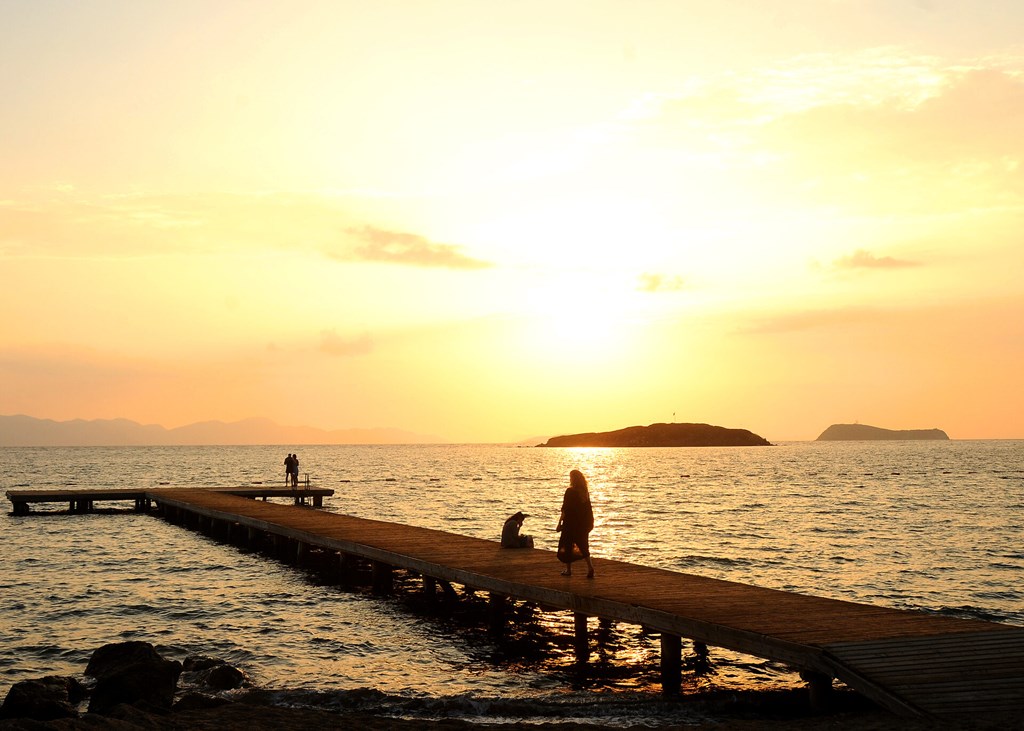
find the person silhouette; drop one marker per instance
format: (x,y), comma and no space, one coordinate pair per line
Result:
(510,537)
(291,470)
(575,521)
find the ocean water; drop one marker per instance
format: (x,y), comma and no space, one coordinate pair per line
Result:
(933,526)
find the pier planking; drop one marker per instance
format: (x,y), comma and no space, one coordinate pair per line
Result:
(913,663)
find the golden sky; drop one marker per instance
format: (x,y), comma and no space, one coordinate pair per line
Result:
(489,221)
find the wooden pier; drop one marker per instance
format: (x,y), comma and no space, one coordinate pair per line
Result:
(84,501)
(913,663)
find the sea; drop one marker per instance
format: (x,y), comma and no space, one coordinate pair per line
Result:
(932,526)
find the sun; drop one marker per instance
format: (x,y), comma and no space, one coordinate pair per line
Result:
(592,314)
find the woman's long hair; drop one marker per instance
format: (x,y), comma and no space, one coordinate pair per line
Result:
(577,480)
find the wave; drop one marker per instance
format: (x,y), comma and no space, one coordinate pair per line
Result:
(697,560)
(626,709)
(972,612)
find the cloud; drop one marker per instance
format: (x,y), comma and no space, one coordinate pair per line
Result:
(967,128)
(861,259)
(333,344)
(396,247)
(868,132)
(659,283)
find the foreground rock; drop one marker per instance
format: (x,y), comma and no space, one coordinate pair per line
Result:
(212,673)
(663,435)
(132,672)
(44,699)
(132,680)
(863,432)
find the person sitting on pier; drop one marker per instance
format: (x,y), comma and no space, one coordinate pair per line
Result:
(510,537)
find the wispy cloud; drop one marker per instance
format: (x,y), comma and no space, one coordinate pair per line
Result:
(659,283)
(396,247)
(333,344)
(861,259)
(865,132)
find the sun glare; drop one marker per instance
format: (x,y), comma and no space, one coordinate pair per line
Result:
(588,313)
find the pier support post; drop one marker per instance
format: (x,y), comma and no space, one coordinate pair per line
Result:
(701,658)
(381,577)
(496,606)
(605,632)
(348,569)
(429,586)
(671,664)
(581,643)
(819,688)
(449,592)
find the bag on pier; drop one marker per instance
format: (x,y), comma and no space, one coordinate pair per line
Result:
(567,550)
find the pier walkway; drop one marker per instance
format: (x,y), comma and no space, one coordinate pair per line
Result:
(912,663)
(84,500)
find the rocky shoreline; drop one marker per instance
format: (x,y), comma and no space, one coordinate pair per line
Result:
(129,686)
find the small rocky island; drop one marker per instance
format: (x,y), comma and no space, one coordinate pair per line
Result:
(662,435)
(863,432)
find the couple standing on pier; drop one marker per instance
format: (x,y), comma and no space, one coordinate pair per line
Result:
(291,470)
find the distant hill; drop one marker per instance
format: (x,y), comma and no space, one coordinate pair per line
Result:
(863,432)
(26,431)
(663,435)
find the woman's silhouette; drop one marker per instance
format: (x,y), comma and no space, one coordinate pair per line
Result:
(575,522)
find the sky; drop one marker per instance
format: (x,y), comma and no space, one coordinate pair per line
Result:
(489,221)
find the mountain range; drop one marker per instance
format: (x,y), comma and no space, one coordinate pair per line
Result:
(27,431)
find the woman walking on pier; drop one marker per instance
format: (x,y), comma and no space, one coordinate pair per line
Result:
(575,522)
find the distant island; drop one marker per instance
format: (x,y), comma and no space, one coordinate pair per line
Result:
(863,432)
(27,431)
(662,435)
